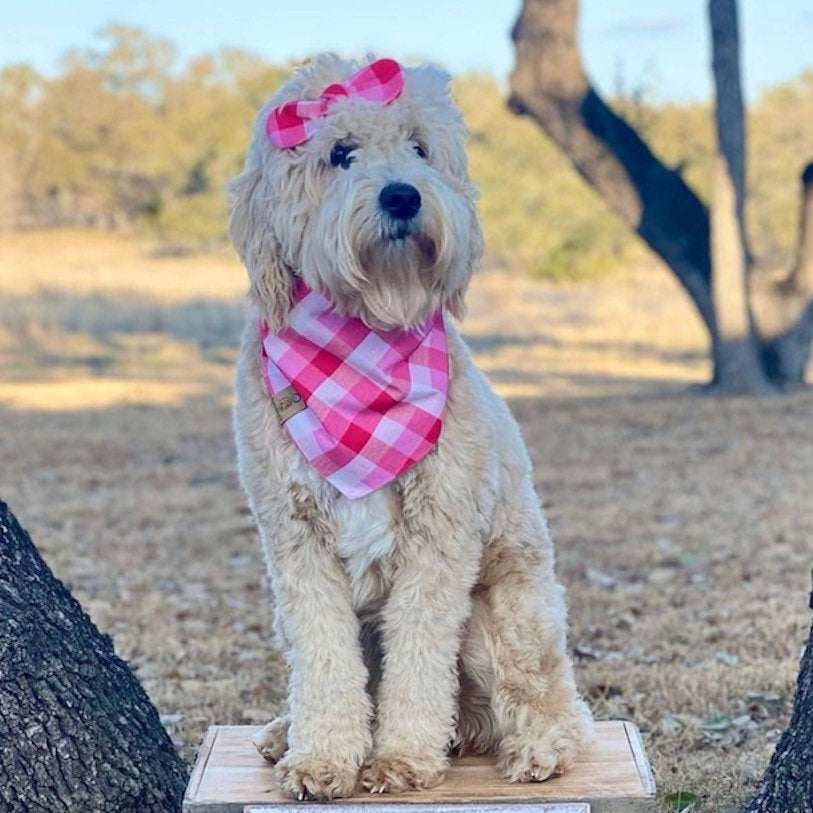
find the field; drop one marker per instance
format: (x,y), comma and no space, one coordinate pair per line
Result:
(683,523)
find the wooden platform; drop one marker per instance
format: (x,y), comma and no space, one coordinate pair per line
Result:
(614,777)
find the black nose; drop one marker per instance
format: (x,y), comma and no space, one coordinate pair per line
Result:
(400,200)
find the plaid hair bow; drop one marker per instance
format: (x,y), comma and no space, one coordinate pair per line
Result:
(294,122)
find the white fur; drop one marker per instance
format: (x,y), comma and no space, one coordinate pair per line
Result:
(426,614)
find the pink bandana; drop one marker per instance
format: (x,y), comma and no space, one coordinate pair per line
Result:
(294,122)
(361,405)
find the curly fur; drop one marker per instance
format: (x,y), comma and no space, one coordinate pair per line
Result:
(424,618)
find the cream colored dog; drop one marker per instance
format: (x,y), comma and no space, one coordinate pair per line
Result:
(425,617)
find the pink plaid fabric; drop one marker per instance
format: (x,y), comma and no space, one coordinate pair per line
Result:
(375,400)
(294,122)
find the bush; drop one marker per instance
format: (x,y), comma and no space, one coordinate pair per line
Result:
(123,136)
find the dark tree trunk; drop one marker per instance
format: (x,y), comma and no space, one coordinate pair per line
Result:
(737,361)
(549,85)
(787,786)
(728,110)
(77,732)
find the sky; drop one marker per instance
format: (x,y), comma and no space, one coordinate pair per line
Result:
(660,46)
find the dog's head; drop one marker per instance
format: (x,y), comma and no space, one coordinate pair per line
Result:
(375,209)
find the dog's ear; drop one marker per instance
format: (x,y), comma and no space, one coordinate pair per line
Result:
(271,284)
(455,303)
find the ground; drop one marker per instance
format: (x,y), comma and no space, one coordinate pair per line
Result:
(683,523)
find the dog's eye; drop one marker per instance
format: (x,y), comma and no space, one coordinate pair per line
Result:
(340,155)
(419,149)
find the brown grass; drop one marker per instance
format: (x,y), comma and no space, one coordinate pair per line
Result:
(683,524)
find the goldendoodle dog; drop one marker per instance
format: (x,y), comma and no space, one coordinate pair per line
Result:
(411,568)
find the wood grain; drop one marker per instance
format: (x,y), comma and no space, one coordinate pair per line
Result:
(480,807)
(612,777)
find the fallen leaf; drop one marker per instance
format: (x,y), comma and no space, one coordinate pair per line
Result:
(721,722)
(682,801)
(727,658)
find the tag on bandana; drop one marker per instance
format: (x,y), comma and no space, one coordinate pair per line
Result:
(288,403)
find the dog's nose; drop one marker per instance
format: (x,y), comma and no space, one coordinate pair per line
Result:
(400,200)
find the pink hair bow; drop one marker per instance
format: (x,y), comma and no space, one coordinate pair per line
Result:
(293,123)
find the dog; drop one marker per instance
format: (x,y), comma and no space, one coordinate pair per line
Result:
(419,614)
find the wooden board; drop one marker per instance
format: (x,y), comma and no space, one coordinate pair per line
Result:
(470,807)
(613,777)
(476,807)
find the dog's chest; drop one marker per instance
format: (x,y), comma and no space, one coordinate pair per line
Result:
(364,540)
(364,527)
(364,530)
(365,536)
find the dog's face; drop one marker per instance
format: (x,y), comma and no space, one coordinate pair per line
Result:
(376,209)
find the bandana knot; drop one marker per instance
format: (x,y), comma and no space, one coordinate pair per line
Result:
(294,122)
(361,405)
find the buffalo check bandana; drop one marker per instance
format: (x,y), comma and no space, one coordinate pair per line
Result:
(373,400)
(294,122)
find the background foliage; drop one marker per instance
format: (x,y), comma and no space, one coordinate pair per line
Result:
(126,137)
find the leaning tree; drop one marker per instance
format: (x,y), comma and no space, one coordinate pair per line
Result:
(77,732)
(760,328)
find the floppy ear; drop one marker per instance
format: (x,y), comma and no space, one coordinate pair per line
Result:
(271,284)
(455,303)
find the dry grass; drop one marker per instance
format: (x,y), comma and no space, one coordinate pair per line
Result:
(683,524)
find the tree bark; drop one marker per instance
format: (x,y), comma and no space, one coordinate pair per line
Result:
(77,732)
(737,363)
(787,786)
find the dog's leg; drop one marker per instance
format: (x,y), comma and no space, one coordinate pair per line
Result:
(476,731)
(421,627)
(516,642)
(328,733)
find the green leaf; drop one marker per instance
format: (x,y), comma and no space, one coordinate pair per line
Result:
(718,723)
(682,801)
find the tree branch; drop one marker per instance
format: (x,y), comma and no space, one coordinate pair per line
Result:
(801,276)
(784,309)
(549,84)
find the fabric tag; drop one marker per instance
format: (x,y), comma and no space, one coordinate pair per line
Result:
(288,403)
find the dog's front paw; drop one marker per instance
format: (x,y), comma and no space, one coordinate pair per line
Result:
(522,758)
(535,757)
(396,773)
(272,741)
(307,776)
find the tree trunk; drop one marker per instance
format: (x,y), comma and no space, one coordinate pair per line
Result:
(737,363)
(787,786)
(766,342)
(77,732)
(548,83)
